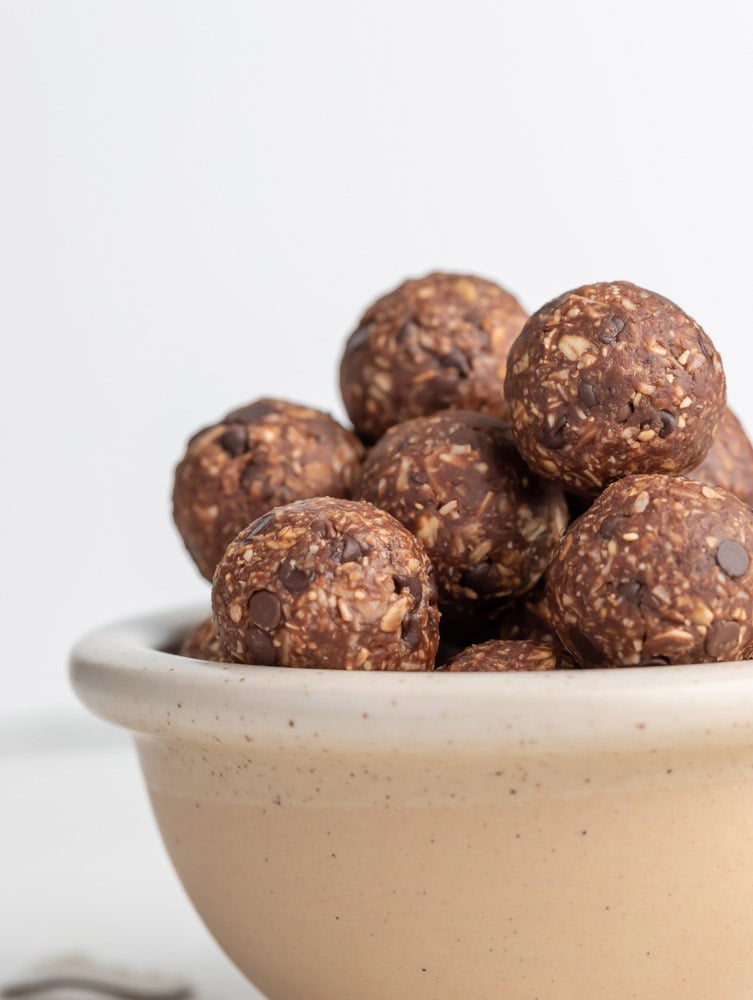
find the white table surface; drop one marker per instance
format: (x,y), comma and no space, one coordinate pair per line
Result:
(82,867)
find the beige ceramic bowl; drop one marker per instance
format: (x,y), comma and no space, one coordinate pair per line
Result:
(583,834)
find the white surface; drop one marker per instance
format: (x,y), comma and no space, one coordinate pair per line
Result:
(197,199)
(82,866)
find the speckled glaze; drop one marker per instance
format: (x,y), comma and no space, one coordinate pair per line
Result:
(557,834)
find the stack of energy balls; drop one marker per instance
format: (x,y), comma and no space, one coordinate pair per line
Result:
(561,490)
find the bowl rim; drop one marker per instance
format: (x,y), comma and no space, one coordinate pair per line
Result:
(122,673)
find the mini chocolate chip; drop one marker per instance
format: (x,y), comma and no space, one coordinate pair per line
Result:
(410,583)
(323,528)
(587,394)
(411,632)
(250,414)
(610,525)
(358,337)
(631,591)
(553,436)
(722,638)
(587,652)
(456,359)
(345,549)
(613,327)
(259,525)
(265,610)
(261,649)
(668,423)
(418,478)
(233,441)
(294,580)
(655,661)
(732,557)
(482,578)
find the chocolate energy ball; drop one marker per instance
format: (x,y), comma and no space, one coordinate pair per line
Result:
(487,522)
(729,462)
(505,655)
(268,453)
(432,343)
(202,643)
(657,571)
(327,583)
(610,380)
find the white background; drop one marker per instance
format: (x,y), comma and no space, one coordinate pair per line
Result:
(198,199)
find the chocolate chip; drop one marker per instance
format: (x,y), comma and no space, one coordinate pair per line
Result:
(411,632)
(345,549)
(722,638)
(553,436)
(259,525)
(410,583)
(294,580)
(358,337)
(668,423)
(323,528)
(732,558)
(587,394)
(613,327)
(482,578)
(631,591)
(610,525)
(456,359)
(265,610)
(655,661)
(251,414)
(261,649)
(233,441)
(586,650)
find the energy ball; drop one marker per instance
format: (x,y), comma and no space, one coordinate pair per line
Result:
(610,380)
(657,571)
(432,343)
(327,583)
(487,522)
(262,455)
(202,643)
(729,462)
(501,655)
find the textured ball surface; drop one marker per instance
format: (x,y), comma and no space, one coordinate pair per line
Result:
(611,380)
(658,570)
(327,583)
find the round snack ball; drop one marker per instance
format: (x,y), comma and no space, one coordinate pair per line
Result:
(610,380)
(432,343)
(257,457)
(505,655)
(327,583)
(658,570)
(487,522)
(729,462)
(202,643)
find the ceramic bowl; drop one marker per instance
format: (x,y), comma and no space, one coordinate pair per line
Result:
(448,836)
